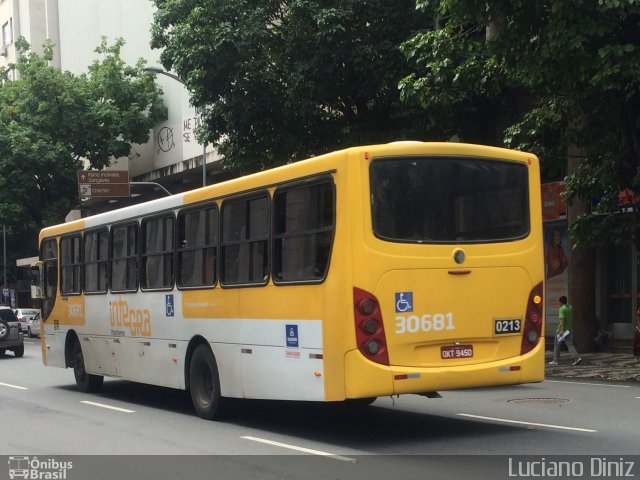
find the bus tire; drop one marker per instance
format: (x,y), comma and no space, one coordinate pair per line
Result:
(204,383)
(87,383)
(19,351)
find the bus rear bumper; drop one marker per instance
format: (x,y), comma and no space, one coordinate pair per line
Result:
(368,379)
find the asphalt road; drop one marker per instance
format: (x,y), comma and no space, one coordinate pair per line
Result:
(477,433)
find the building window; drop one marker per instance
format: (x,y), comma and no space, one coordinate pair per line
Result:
(96,257)
(245,241)
(124,257)
(157,252)
(197,247)
(70,265)
(7,36)
(302,232)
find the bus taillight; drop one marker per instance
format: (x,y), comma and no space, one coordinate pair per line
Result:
(370,335)
(533,320)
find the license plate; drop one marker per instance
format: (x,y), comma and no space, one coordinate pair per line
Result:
(506,326)
(456,351)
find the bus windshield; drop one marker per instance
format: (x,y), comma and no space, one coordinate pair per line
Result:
(442,199)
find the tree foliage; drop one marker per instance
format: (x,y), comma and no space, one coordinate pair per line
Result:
(564,72)
(51,120)
(281,80)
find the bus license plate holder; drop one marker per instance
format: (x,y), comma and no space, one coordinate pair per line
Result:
(451,352)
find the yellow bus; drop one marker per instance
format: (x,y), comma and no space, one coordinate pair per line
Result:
(405,268)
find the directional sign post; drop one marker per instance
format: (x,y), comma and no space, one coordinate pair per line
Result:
(103,183)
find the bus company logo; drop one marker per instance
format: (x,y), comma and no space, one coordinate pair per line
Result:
(136,321)
(36,469)
(404,302)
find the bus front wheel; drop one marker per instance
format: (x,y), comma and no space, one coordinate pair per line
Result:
(87,383)
(204,383)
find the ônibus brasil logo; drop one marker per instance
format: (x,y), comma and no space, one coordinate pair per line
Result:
(36,469)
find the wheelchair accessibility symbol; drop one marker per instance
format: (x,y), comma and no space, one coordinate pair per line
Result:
(169,305)
(404,302)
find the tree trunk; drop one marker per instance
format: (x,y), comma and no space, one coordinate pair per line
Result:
(582,269)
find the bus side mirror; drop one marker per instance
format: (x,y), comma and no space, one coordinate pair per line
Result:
(37,281)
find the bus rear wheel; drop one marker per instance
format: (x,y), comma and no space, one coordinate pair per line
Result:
(87,382)
(204,384)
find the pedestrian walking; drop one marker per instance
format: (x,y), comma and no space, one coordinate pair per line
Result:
(564,333)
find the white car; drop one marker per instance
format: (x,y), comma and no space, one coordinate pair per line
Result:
(24,315)
(33,326)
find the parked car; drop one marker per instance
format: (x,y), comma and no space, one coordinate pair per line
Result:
(11,337)
(24,315)
(33,326)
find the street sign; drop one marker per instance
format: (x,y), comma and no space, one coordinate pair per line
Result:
(103,183)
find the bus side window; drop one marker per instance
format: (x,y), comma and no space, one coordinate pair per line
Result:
(157,252)
(96,256)
(197,247)
(303,232)
(70,265)
(245,241)
(124,257)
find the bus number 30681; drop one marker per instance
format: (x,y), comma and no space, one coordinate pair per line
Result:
(426,323)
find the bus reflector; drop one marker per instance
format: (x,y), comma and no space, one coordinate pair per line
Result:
(533,320)
(370,335)
(512,368)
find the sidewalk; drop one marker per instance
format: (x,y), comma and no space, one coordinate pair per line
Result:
(616,367)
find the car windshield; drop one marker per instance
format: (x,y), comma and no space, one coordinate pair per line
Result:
(8,315)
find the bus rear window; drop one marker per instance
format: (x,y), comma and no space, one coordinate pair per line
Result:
(449,199)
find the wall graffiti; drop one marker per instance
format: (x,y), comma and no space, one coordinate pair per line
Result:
(165,139)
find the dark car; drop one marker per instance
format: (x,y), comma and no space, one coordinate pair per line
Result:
(11,337)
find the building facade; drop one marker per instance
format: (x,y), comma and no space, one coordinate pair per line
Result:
(617,274)
(172,157)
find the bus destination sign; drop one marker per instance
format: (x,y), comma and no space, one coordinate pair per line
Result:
(103,183)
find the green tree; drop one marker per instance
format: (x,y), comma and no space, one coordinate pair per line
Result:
(51,120)
(561,72)
(281,80)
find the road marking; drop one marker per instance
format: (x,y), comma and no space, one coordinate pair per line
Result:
(590,384)
(301,449)
(102,405)
(17,387)
(503,420)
